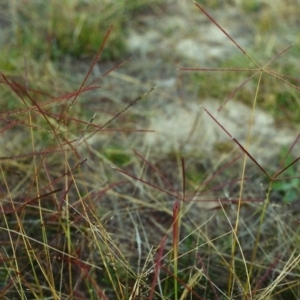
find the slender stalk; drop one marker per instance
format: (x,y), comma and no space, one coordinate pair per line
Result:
(176,224)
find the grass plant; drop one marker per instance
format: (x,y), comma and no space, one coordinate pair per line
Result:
(106,220)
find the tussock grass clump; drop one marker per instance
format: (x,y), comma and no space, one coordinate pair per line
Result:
(92,210)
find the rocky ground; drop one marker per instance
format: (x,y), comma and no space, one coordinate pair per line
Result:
(182,36)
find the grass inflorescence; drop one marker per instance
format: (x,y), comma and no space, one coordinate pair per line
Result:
(91,210)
